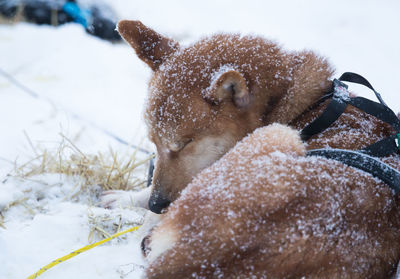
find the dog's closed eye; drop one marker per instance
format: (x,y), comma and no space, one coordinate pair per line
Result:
(178,146)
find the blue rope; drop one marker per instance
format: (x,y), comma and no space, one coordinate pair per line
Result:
(79,15)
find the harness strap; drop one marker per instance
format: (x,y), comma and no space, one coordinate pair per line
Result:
(364,162)
(361,159)
(332,112)
(380,111)
(338,104)
(356,78)
(383,147)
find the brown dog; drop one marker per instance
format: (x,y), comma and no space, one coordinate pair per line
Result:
(263,210)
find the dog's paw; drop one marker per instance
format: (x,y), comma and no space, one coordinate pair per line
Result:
(125,199)
(145,245)
(114,199)
(162,238)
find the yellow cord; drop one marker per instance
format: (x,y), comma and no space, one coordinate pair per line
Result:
(77,252)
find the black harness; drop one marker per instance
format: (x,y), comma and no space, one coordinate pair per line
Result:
(364,159)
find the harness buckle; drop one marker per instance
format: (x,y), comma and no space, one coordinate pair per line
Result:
(340,91)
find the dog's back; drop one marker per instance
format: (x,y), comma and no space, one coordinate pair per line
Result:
(266,211)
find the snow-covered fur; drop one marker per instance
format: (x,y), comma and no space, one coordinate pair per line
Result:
(206,97)
(266,211)
(263,209)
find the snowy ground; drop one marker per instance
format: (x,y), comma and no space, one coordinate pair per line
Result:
(105,86)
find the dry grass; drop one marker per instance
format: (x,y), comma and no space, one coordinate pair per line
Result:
(110,170)
(2,221)
(105,225)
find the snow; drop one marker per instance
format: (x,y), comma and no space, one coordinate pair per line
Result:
(87,86)
(52,221)
(218,73)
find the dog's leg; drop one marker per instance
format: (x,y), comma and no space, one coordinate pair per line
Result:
(125,199)
(151,220)
(159,240)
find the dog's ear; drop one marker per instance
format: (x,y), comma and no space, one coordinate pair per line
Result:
(150,46)
(231,85)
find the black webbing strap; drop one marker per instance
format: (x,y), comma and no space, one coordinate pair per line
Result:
(360,159)
(387,145)
(337,106)
(378,110)
(364,162)
(382,148)
(326,119)
(356,78)
(332,112)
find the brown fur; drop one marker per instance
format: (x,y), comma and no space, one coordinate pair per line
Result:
(280,216)
(207,97)
(280,85)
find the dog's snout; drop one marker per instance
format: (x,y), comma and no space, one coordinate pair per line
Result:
(157,203)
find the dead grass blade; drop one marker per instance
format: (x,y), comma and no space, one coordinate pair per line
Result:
(111,170)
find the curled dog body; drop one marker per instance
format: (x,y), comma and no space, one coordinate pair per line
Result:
(255,207)
(266,211)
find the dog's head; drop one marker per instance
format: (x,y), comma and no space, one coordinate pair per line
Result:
(203,99)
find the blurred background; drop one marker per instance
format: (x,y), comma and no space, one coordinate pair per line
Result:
(68,81)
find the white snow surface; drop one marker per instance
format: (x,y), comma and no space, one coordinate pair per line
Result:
(86,85)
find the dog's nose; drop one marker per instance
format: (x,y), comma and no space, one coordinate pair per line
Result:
(158,203)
